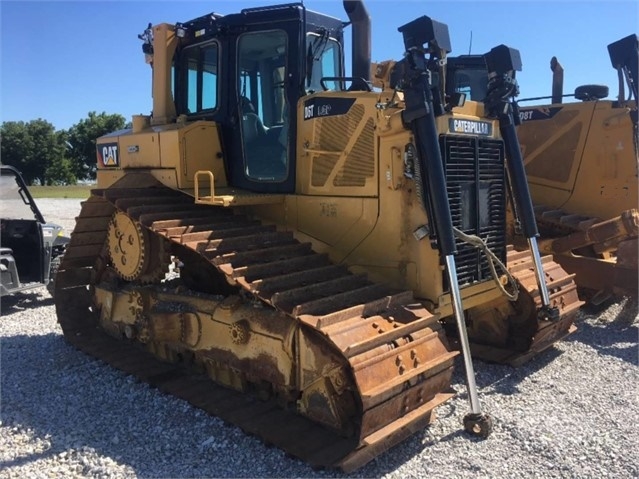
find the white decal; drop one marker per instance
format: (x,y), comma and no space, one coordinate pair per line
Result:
(110,155)
(308,112)
(526,115)
(474,127)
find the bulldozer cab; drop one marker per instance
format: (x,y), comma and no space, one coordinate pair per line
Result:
(246,72)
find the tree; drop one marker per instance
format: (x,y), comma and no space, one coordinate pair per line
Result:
(82,140)
(37,150)
(15,145)
(60,170)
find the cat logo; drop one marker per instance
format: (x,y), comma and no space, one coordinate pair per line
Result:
(470,127)
(108,154)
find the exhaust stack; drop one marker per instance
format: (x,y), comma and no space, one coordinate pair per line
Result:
(557,80)
(361,56)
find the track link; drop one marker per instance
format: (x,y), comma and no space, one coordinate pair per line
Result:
(562,294)
(380,331)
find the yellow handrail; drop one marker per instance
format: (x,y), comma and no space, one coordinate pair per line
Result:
(196,182)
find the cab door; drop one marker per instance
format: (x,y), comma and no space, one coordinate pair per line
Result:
(266,83)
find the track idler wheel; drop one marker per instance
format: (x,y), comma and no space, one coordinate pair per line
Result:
(136,254)
(480,425)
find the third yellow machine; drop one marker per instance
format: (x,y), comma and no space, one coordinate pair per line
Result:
(582,163)
(338,239)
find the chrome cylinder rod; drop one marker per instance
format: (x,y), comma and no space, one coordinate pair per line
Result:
(458,310)
(539,272)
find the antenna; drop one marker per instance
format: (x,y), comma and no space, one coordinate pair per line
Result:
(471,42)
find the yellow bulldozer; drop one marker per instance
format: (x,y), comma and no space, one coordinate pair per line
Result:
(582,161)
(337,243)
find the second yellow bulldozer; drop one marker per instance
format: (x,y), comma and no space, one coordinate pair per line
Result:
(337,244)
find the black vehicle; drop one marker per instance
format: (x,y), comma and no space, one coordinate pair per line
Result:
(30,248)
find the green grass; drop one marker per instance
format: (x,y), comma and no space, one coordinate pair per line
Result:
(74,191)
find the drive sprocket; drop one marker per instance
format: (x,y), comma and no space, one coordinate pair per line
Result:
(135,254)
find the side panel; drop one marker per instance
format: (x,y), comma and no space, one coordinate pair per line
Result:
(172,154)
(336,150)
(552,140)
(337,171)
(391,253)
(580,157)
(340,224)
(199,149)
(608,169)
(139,150)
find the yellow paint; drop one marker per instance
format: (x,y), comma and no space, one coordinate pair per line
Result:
(582,160)
(180,149)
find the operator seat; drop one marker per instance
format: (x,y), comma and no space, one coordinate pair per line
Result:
(265,148)
(252,127)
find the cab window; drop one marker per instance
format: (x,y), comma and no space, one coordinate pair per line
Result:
(199,67)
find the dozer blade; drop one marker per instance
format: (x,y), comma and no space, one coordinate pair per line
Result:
(350,366)
(603,255)
(617,275)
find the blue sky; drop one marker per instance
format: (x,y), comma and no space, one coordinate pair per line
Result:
(60,60)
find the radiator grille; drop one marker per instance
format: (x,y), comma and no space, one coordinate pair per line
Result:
(475,182)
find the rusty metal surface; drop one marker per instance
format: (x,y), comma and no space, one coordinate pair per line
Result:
(604,236)
(396,349)
(512,333)
(563,296)
(601,254)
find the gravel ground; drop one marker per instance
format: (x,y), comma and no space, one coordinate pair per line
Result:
(571,412)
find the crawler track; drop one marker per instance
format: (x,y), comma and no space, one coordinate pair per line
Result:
(360,318)
(563,295)
(396,350)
